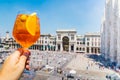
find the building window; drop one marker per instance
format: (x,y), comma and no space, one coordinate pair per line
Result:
(45,37)
(87,43)
(80,42)
(80,49)
(45,47)
(95,43)
(53,42)
(83,42)
(83,49)
(72,37)
(88,39)
(87,49)
(92,43)
(95,50)
(98,50)
(92,50)
(59,36)
(72,47)
(98,44)
(58,46)
(77,48)
(45,41)
(40,41)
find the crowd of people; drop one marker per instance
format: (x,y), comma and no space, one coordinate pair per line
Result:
(57,60)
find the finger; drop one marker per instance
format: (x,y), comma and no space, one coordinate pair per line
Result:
(27,67)
(22,62)
(14,57)
(15,54)
(26,53)
(28,61)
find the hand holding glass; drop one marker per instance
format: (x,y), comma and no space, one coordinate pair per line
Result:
(26,30)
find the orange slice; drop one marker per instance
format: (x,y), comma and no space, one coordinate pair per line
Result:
(31,23)
(23,17)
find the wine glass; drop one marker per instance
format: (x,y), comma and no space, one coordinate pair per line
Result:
(26,31)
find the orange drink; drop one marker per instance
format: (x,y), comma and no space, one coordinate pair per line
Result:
(26,29)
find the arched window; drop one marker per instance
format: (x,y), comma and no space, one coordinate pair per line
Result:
(77,48)
(83,49)
(80,48)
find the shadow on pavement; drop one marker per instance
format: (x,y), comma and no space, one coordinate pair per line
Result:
(102,62)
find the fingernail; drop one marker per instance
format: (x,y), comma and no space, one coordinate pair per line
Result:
(26,54)
(27,67)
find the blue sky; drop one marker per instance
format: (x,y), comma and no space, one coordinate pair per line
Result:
(82,15)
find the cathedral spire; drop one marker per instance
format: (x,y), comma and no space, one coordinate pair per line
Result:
(107,1)
(116,7)
(108,9)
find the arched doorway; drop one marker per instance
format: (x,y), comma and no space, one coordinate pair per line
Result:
(65,42)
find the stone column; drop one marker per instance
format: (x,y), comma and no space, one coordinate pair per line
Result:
(74,47)
(56,47)
(89,49)
(85,49)
(61,47)
(69,47)
(97,50)
(93,50)
(47,48)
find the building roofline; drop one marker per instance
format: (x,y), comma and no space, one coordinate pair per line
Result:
(67,30)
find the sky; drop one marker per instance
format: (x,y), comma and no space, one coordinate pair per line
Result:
(82,15)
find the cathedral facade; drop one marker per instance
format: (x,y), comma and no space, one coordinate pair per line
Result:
(110,32)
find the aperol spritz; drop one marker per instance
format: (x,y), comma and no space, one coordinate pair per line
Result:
(26,29)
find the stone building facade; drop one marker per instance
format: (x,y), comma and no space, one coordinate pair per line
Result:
(65,40)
